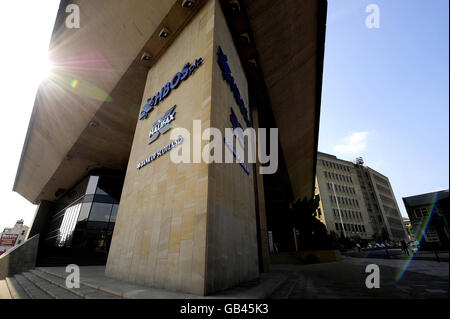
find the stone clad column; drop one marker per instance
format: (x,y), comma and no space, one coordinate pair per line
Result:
(191,226)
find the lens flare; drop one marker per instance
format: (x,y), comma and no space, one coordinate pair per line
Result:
(421,232)
(74,83)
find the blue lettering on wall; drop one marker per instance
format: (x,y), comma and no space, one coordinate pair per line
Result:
(186,71)
(233,119)
(240,160)
(226,73)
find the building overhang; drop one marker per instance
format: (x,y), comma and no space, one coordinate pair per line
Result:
(85,116)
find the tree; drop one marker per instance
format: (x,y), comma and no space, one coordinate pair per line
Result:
(312,233)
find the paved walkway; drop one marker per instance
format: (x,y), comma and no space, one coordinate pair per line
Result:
(343,279)
(426,267)
(398,254)
(346,279)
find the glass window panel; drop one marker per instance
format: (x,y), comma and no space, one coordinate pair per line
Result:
(100,212)
(103,199)
(114,211)
(88,198)
(92,185)
(100,191)
(84,212)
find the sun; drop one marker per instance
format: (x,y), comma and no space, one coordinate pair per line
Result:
(44,69)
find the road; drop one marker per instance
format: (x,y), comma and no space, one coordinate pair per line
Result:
(346,279)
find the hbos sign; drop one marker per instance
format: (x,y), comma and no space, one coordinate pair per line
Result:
(187,70)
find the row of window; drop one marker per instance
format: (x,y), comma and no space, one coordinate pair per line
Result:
(351,227)
(383,189)
(341,188)
(395,222)
(336,166)
(387,200)
(339,177)
(347,214)
(344,201)
(381,180)
(373,220)
(421,212)
(431,235)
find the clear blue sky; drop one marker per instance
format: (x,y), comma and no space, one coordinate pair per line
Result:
(386,91)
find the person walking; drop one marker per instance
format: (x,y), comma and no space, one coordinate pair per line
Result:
(404,247)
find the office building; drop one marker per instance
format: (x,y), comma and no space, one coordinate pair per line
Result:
(381,204)
(429,218)
(96,159)
(357,201)
(341,198)
(11,237)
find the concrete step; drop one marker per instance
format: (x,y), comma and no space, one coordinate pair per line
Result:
(51,289)
(15,289)
(84,291)
(33,290)
(4,290)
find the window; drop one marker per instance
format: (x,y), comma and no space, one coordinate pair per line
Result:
(100,212)
(421,212)
(114,211)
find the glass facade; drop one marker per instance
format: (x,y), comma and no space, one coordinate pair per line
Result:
(83,222)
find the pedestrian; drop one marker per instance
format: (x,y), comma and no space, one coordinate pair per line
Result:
(404,247)
(359,247)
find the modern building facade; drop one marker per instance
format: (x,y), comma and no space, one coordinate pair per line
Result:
(356,201)
(381,204)
(96,159)
(341,198)
(13,236)
(429,216)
